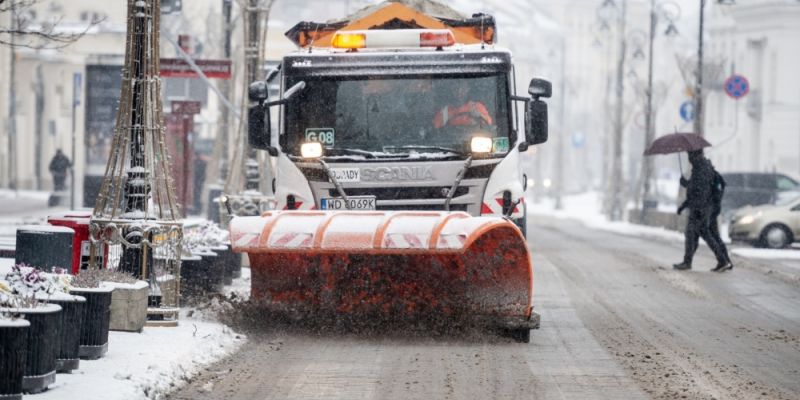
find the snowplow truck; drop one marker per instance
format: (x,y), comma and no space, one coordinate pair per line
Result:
(397,179)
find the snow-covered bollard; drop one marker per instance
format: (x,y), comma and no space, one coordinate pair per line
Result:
(21,295)
(94,331)
(44,246)
(42,345)
(13,347)
(71,319)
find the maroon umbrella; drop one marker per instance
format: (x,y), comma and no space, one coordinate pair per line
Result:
(676,143)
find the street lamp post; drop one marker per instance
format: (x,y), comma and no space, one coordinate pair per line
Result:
(647,165)
(562,123)
(613,197)
(698,89)
(670,16)
(617,206)
(12,109)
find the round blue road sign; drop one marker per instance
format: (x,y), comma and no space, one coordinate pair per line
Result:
(687,110)
(737,86)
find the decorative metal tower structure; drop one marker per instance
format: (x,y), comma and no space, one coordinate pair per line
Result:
(136,216)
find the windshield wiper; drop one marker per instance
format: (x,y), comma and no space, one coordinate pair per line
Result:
(346,151)
(424,147)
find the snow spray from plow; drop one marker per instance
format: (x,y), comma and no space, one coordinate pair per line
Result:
(389,263)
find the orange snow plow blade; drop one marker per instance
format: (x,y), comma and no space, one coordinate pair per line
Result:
(404,264)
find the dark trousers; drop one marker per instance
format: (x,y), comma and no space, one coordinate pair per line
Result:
(703,224)
(58,182)
(714,229)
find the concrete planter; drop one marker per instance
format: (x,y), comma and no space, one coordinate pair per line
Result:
(128,306)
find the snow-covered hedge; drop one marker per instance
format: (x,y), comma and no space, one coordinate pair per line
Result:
(203,236)
(7,299)
(94,278)
(28,287)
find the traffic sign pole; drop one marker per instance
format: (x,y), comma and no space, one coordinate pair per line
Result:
(77,79)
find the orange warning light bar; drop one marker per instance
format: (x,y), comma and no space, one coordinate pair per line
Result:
(438,38)
(349,40)
(405,38)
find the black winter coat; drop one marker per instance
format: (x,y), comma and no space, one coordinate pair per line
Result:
(700,187)
(59,164)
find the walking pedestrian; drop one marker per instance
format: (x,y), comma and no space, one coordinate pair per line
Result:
(704,191)
(58,167)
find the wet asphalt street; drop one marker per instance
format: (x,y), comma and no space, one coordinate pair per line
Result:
(617,323)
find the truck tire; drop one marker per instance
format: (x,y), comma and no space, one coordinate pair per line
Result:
(518,335)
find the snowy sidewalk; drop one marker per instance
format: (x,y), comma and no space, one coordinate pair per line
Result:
(22,207)
(148,365)
(586,208)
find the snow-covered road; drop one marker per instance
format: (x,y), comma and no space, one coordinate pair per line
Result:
(617,323)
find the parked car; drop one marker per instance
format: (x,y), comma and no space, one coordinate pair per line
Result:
(755,189)
(772,226)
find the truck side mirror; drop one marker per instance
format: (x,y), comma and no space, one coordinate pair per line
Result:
(540,88)
(536,111)
(258,92)
(258,127)
(536,122)
(258,116)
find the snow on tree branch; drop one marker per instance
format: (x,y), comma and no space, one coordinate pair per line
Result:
(24,31)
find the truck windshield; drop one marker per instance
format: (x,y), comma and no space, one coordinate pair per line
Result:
(368,118)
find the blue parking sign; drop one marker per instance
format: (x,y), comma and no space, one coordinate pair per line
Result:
(687,110)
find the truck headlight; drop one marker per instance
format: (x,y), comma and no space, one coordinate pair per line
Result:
(480,144)
(311,150)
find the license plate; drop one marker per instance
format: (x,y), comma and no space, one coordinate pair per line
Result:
(355,203)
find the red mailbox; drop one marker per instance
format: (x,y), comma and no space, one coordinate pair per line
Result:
(78,221)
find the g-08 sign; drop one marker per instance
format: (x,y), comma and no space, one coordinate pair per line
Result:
(326,136)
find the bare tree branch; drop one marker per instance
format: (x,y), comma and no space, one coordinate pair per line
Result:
(13,5)
(47,35)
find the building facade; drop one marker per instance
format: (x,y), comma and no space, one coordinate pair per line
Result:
(757,39)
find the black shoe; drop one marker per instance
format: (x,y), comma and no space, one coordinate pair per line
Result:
(726,266)
(682,266)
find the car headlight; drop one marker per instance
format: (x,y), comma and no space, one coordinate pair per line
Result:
(746,220)
(311,150)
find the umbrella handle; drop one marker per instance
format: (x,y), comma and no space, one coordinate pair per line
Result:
(680,163)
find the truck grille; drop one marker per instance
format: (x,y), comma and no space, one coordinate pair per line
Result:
(453,207)
(402,193)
